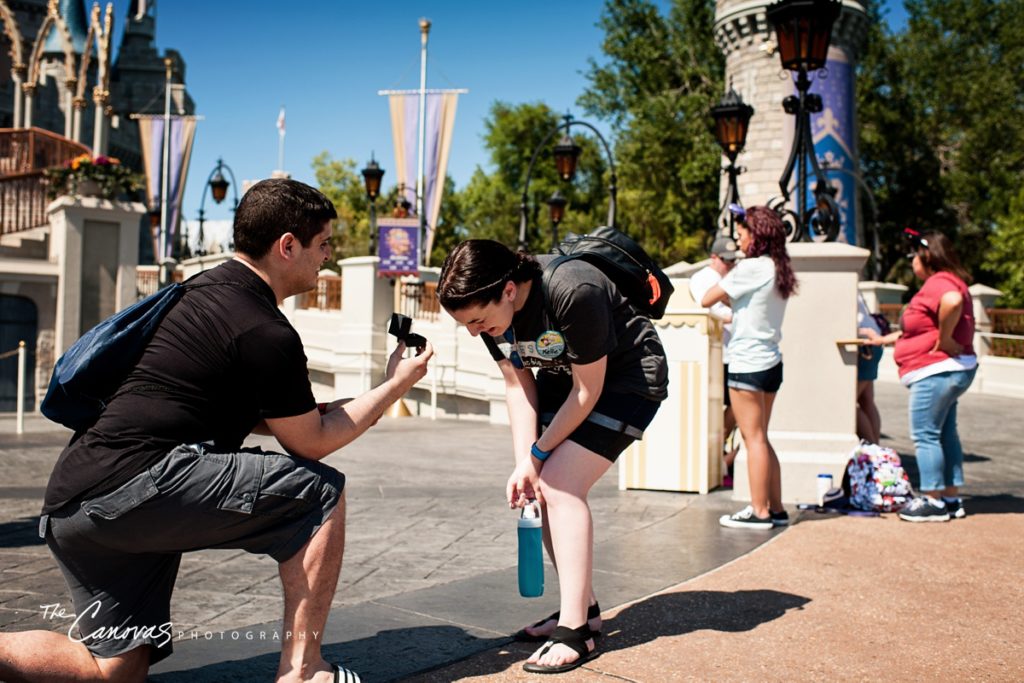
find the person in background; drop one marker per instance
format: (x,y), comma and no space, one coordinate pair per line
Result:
(936,360)
(757,288)
(722,259)
(869,421)
(601,376)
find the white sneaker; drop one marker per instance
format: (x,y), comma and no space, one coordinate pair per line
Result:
(745,519)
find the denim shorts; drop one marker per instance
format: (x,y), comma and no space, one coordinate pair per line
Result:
(867,363)
(120,551)
(767,381)
(617,420)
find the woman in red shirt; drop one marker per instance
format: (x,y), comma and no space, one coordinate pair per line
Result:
(936,360)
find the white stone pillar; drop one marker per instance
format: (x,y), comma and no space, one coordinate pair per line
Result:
(877,293)
(982,298)
(367,302)
(813,424)
(95,244)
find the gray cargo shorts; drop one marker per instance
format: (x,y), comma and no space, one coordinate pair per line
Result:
(120,551)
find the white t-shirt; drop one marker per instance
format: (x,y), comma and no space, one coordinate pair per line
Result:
(757,312)
(700,282)
(864,318)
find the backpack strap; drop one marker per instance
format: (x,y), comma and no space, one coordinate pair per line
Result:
(545,285)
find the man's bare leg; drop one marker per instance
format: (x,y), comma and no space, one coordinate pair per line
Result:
(34,656)
(309,579)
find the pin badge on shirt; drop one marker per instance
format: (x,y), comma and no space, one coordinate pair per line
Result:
(550,344)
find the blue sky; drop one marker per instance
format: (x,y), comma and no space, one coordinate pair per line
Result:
(325,60)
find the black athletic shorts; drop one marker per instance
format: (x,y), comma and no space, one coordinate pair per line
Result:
(616,421)
(767,381)
(120,551)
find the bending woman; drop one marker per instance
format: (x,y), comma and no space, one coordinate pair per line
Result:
(757,289)
(601,375)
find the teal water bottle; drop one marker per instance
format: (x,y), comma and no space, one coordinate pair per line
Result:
(531,551)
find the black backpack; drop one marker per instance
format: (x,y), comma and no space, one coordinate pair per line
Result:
(625,263)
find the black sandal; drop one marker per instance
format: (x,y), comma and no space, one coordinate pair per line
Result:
(523,636)
(573,638)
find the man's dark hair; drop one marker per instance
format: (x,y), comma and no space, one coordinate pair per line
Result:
(273,207)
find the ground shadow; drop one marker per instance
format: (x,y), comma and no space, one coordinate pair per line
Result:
(387,656)
(997,504)
(672,614)
(669,614)
(20,533)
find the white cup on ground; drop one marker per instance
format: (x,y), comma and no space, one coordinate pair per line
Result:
(824,484)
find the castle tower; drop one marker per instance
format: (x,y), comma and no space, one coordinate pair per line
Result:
(752,65)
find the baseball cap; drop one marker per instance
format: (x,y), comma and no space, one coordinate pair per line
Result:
(726,248)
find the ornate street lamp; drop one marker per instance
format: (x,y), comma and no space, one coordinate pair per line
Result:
(804,29)
(732,118)
(556,208)
(372,175)
(566,154)
(218,186)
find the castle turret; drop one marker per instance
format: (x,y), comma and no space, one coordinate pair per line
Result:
(752,65)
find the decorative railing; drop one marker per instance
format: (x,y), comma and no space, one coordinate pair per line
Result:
(326,296)
(24,154)
(419,300)
(147,280)
(1007,336)
(33,149)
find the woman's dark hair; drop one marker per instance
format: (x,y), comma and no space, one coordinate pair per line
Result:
(768,236)
(270,208)
(475,272)
(937,254)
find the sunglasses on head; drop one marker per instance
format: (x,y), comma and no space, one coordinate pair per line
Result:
(916,241)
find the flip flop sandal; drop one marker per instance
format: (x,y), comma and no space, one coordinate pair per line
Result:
(573,638)
(343,675)
(524,636)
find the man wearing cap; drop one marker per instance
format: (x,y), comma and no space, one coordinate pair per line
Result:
(724,252)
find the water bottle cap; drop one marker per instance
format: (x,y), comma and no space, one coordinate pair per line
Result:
(824,476)
(531,516)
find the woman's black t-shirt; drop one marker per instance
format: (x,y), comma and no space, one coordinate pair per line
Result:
(592,319)
(223,359)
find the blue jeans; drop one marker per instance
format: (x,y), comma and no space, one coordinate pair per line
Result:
(933,428)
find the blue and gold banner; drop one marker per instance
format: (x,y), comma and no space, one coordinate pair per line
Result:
(151,134)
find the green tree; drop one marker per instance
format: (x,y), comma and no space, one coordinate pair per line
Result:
(338,180)
(489,204)
(1003,256)
(659,78)
(938,105)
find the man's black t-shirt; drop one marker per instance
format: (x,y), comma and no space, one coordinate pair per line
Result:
(593,319)
(223,359)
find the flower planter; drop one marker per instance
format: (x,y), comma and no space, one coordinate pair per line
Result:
(89,188)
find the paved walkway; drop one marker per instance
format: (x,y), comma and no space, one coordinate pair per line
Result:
(428,588)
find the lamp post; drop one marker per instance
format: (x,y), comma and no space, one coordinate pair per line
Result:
(556,209)
(566,155)
(372,175)
(732,119)
(803,29)
(218,186)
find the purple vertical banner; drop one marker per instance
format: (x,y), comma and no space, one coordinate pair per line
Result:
(835,139)
(398,240)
